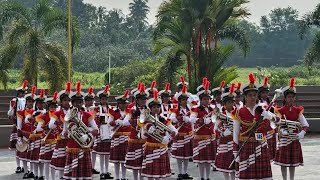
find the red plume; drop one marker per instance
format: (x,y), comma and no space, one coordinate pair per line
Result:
(232,88)
(265,81)
(239,86)
(139,84)
(42,93)
(142,87)
(182,79)
(204,80)
(68,86)
(155,94)
(90,91)
(126,93)
(222,83)
(153,84)
(206,85)
(24,84)
(184,89)
(33,90)
(78,87)
(106,88)
(251,78)
(292,82)
(55,96)
(167,87)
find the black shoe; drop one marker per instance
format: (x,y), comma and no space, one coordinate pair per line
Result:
(95,171)
(108,176)
(214,169)
(187,176)
(202,178)
(172,173)
(19,170)
(22,170)
(41,178)
(31,175)
(102,176)
(36,178)
(26,175)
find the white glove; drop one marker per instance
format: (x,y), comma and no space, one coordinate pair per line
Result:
(26,119)
(235,154)
(267,115)
(301,134)
(166,139)
(284,132)
(151,130)
(119,122)
(186,119)
(19,141)
(207,120)
(227,132)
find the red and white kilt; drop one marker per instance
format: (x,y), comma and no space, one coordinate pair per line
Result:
(254,162)
(58,159)
(204,149)
(156,162)
(34,148)
(101,148)
(272,143)
(134,156)
(23,156)
(13,137)
(182,147)
(46,152)
(119,146)
(224,155)
(78,164)
(289,153)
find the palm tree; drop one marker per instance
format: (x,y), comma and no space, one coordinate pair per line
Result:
(194,28)
(138,14)
(27,37)
(313,53)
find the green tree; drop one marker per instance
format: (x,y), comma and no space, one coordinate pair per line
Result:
(27,37)
(138,15)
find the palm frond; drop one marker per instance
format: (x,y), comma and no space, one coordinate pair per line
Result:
(15,11)
(7,57)
(19,32)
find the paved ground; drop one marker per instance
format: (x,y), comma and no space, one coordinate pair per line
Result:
(310,171)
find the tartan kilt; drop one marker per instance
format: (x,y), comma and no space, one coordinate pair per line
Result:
(78,165)
(254,162)
(134,156)
(118,151)
(101,148)
(289,153)
(224,155)
(23,156)
(13,137)
(58,159)
(46,152)
(35,144)
(204,150)
(182,147)
(156,162)
(272,144)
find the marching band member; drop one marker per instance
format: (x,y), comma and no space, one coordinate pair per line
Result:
(179,86)
(17,104)
(156,162)
(263,91)
(256,149)
(238,102)
(224,128)
(58,158)
(24,131)
(289,152)
(35,136)
(89,106)
(48,141)
(166,103)
(119,143)
(182,143)
(136,142)
(204,143)
(217,92)
(102,146)
(78,158)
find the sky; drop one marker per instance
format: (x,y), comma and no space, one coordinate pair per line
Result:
(257,8)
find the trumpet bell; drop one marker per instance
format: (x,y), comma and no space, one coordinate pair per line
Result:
(22,147)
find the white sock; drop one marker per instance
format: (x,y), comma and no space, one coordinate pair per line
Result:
(93,156)
(179,163)
(135,174)
(36,169)
(291,171)
(31,167)
(25,166)
(53,174)
(201,169)
(123,171)
(41,167)
(60,174)
(18,162)
(226,176)
(46,170)
(233,176)
(106,163)
(185,166)
(141,178)
(117,169)
(102,164)
(207,170)
(284,172)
